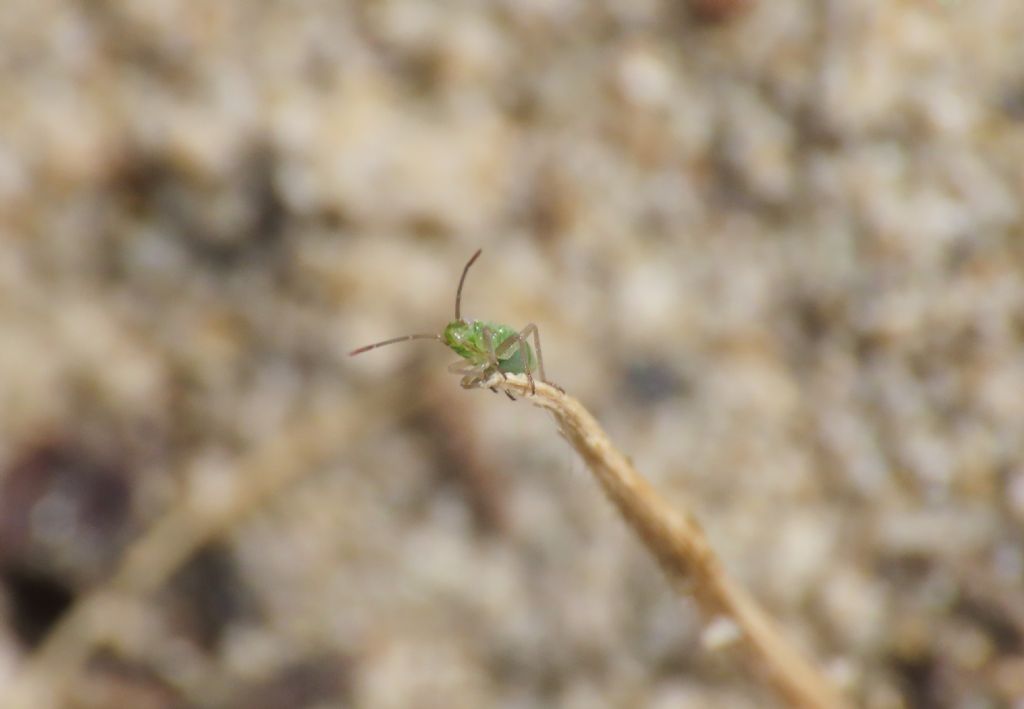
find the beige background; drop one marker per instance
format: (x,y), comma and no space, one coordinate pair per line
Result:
(774,246)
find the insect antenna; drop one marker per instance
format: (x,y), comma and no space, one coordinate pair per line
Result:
(458,293)
(392,341)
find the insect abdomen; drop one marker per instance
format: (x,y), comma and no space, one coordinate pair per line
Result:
(514,362)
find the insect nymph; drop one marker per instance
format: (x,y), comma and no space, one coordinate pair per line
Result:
(486,348)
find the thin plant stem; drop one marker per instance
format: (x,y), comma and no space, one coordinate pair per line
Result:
(679,544)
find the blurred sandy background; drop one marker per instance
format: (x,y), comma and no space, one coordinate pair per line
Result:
(774,246)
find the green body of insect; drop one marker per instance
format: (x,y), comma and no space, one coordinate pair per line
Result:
(486,348)
(469,341)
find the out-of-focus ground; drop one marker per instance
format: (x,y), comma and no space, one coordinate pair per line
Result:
(776,247)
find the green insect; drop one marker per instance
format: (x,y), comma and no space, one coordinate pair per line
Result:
(486,348)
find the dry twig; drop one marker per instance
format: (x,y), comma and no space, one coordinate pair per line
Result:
(678,542)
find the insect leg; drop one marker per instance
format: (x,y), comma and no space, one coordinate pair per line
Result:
(473,374)
(524,353)
(535,331)
(531,329)
(492,357)
(463,367)
(491,367)
(473,380)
